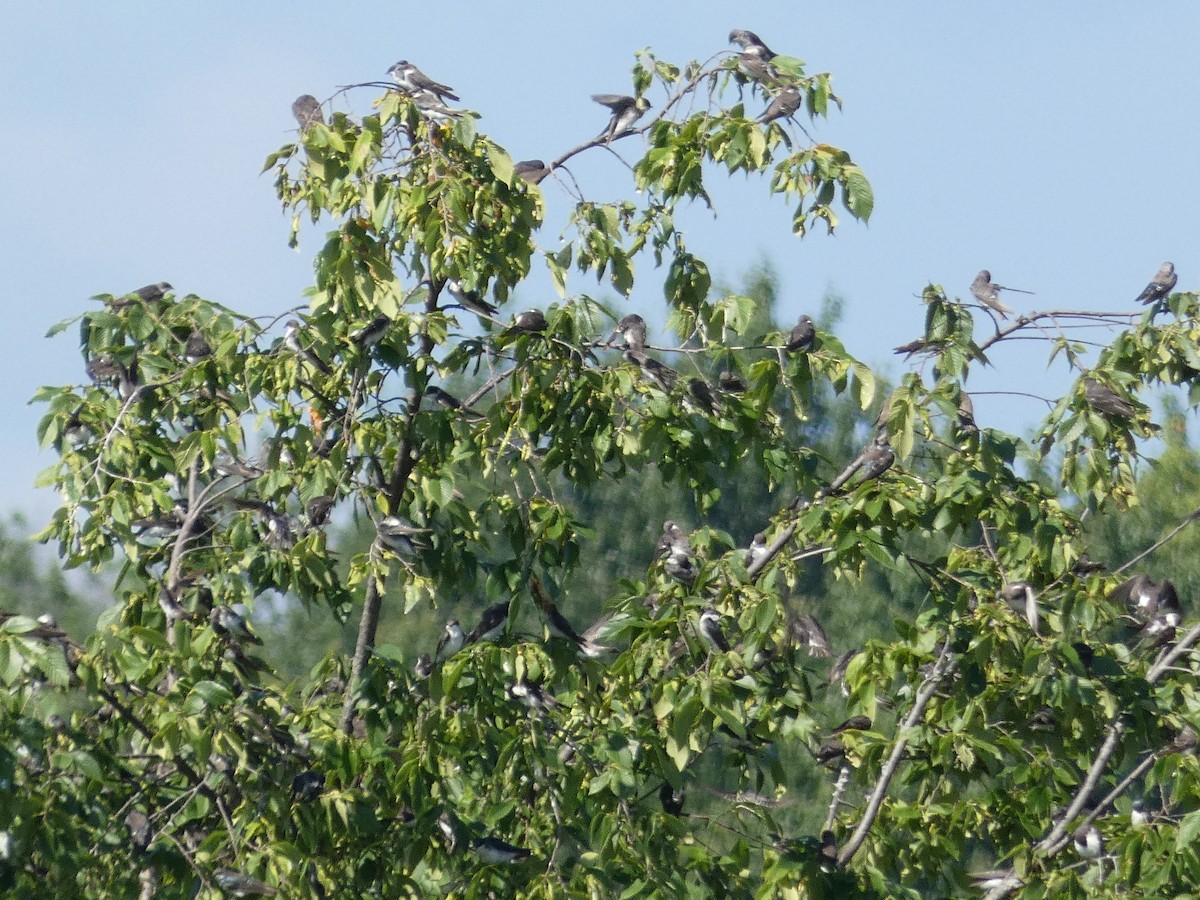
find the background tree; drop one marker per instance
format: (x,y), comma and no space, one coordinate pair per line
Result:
(675,748)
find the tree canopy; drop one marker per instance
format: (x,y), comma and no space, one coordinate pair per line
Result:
(701,737)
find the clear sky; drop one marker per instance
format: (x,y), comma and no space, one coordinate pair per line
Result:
(1054,144)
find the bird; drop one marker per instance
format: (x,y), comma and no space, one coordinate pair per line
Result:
(673,538)
(1105,400)
(150,293)
(449,831)
(196,348)
(751,42)
(494,851)
(423,667)
(1148,600)
(318,509)
(704,395)
(680,565)
(671,799)
(434,109)
(451,642)
(837,672)
(75,432)
(241,885)
(491,623)
(757,550)
(829,851)
(400,536)
(1185,739)
(854,723)
(801,336)
(782,106)
(710,631)
(139,830)
(531,695)
(966,413)
(1004,881)
(291,340)
(1087,841)
(756,67)
(1021,597)
(371,333)
(731,382)
(632,331)
(807,630)
(531,170)
(987,293)
(625,111)
(307,111)
(531,321)
(307,786)
(877,459)
(225,620)
(472,301)
(1138,816)
(664,376)
(830,751)
(415,82)
(1160,285)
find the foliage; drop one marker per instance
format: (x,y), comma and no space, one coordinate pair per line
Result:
(210,476)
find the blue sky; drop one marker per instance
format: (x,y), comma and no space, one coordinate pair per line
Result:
(1055,144)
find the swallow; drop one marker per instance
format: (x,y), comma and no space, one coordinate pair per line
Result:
(710,631)
(782,106)
(829,851)
(1154,605)
(1003,880)
(988,293)
(662,374)
(830,751)
(415,82)
(877,459)
(751,42)
(371,333)
(307,111)
(1185,740)
(731,382)
(399,535)
(451,642)
(704,395)
(491,623)
(225,620)
(625,111)
(1138,816)
(531,695)
(1087,841)
(854,723)
(75,432)
(757,550)
(671,799)
(681,566)
(1160,285)
(196,348)
(150,293)
(557,623)
(1021,597)
(494,851)
(673,538)
(807,630)
(531,170)
(291,340)
(966,413)
(472,301)
(423,667)
(139,830)
(1105,400)
(802,336)
(318,509)
(307,786)
(449,831)
(754,66)
(432,108)
(632,331)
(241,885)
(531,321)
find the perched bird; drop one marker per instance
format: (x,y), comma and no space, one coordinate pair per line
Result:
(1105,400)
(531,695)
(307,111)
(1021,597)
(664,376)
(400,536)
(413,81)
(1042,720)
(472,301)
(920,345)
(757,550)
(1184,741)
(673,538)
(494,851)
(854,723)
(704,395)
(291,340)
(731,382)
(625,111)
(150,293)
(752,64)
(449,830)
(1160,285)
(751,42)
(802,336)
(680,565)
(632,331)
(710,631)
(196,348)
(806,630)
(371,333)
(434,109)
(987,293)
(530,321)
(829,851)
(423,667)
(782,106)
(318,509)
(830,751)
(531,170)
(139,830)
(307,786)
(75,432)
(225,620)
(671,799)
(451,642)
(556,622)
(1003,881)
(1138,816)
(241,885)
(877,459)
(491,623)
(1087,841)
(1148,601)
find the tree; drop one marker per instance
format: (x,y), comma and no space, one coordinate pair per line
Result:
(667,750)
